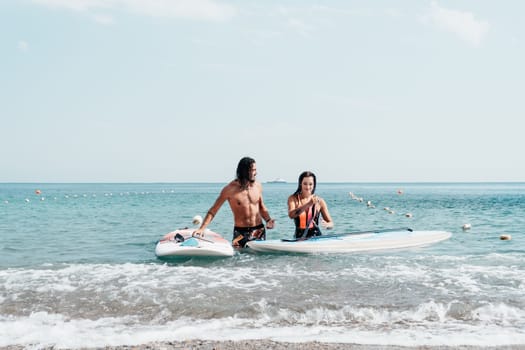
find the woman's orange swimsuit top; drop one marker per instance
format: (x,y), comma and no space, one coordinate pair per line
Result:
(306,217)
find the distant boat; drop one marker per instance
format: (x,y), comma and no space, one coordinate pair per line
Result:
(277,181)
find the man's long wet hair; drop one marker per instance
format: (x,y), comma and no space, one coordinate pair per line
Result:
(243,171)
(301,177)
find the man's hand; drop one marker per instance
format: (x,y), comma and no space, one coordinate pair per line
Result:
(198,232)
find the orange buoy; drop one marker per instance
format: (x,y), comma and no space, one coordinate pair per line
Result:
(38,192)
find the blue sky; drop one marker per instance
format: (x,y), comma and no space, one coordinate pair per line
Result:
(176,91)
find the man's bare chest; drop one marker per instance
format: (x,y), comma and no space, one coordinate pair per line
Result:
(248,196)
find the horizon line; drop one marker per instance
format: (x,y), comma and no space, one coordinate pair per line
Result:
(263,182)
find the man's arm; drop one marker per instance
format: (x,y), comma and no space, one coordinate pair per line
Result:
(223,196)
(265,214)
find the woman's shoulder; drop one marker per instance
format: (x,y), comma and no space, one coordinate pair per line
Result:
(323,202)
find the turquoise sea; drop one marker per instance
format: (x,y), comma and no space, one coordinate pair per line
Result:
(78,269)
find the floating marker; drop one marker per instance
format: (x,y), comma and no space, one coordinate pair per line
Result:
(408,215)
(197,220)
(505,237)
(466,227)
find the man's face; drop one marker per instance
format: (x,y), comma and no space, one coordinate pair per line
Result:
(252,173)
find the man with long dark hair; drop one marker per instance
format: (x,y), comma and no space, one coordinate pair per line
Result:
(244,194)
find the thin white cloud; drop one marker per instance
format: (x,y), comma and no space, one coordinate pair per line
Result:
(209,10)
(103,18)
(462,23)
(262,36)
(299,26)
(22,46)
(77,5)
(365,104)
(392,12)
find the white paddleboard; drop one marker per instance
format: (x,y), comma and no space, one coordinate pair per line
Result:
(353,242)
(181,243)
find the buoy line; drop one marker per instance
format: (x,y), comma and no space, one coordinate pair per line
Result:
(371,205)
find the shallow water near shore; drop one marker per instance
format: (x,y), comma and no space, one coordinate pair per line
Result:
(77,269)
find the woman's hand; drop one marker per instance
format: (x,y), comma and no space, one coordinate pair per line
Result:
(327,225)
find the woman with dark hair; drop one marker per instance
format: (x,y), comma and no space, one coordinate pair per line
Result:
(305,208)
(244,194)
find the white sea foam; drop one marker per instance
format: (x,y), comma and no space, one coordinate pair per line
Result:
(61,332)
(151,302)
(152,280)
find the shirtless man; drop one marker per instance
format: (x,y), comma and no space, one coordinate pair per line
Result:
(244,194)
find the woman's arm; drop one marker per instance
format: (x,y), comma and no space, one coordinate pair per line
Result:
(294,210)
(328,223)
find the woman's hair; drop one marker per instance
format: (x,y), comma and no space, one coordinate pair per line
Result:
(301,177)
(243,170)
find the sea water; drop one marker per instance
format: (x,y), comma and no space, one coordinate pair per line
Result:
(78,269)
